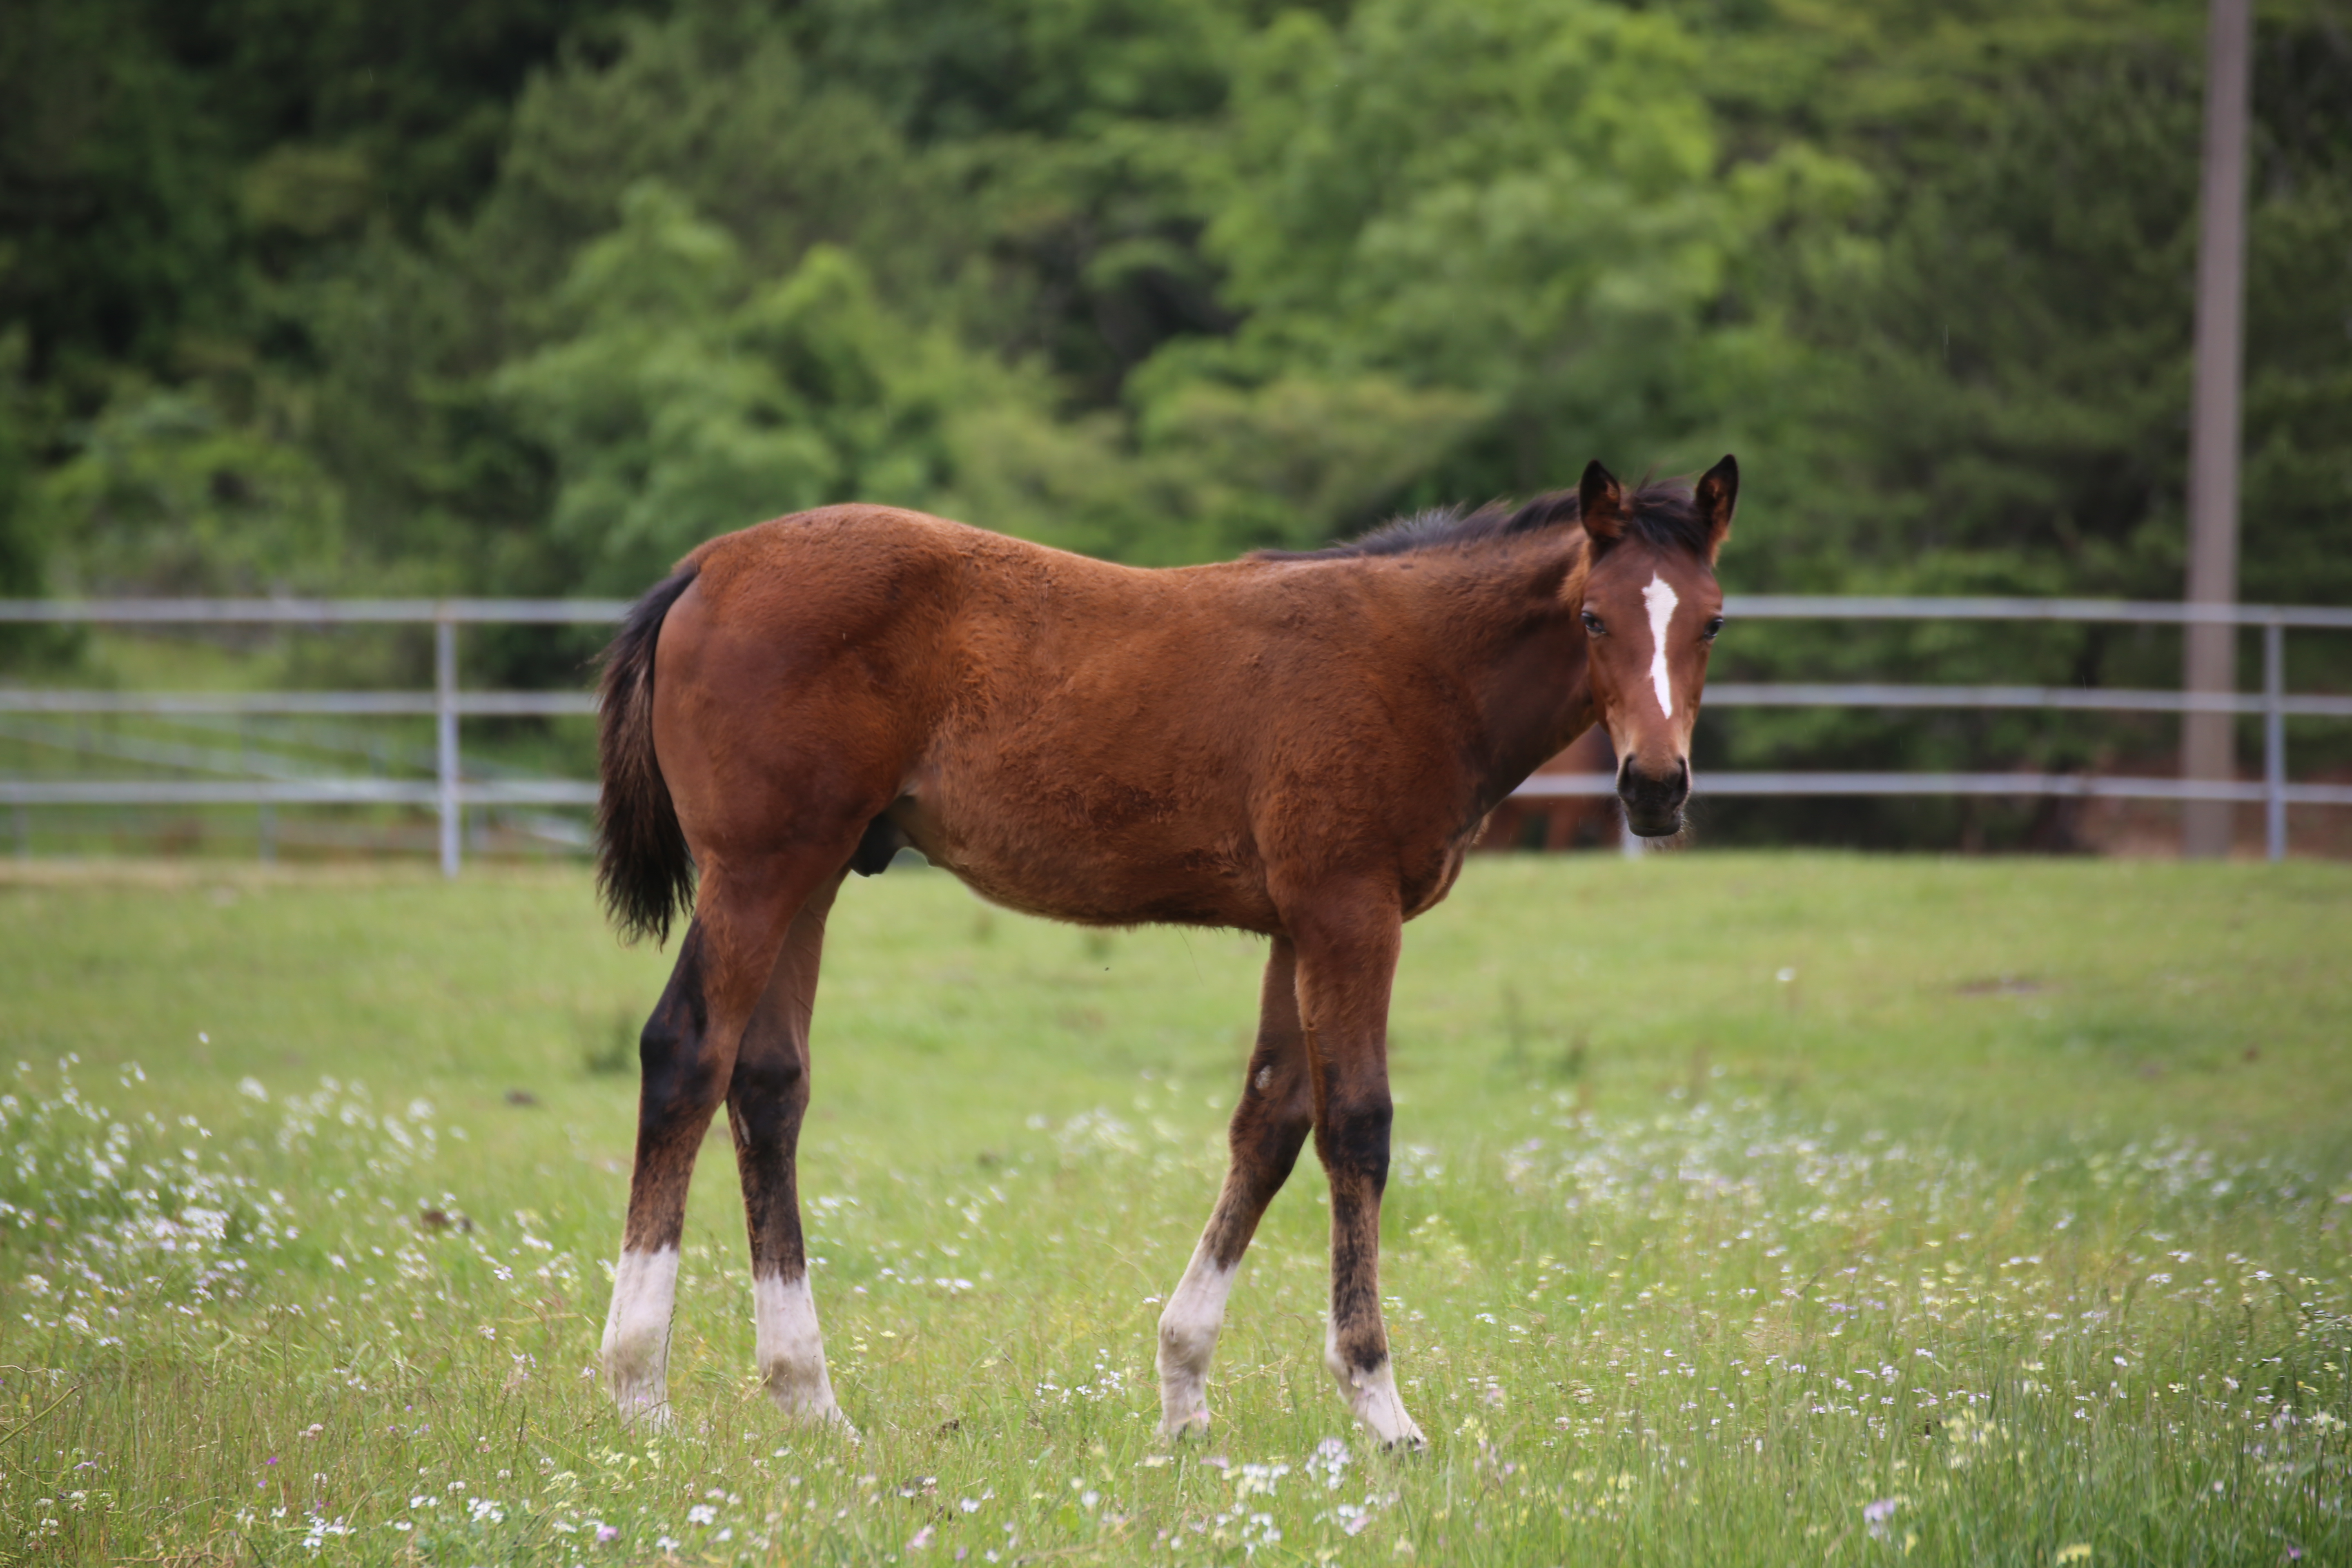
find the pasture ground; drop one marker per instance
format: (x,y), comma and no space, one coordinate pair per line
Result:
(1745,1209)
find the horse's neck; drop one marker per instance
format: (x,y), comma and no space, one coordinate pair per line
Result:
(1518,653)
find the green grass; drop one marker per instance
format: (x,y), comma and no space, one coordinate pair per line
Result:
(2012,1220)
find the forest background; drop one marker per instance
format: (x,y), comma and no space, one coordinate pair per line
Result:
(528,297)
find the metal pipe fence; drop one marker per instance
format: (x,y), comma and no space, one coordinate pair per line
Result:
(449,793)
(2273,703)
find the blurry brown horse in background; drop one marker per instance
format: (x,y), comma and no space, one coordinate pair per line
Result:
(1559,821)
(1300,745)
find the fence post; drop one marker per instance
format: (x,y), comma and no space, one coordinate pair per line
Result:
(2273,739)
(445,723)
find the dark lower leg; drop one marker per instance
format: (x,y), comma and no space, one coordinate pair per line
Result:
(1353,1138)
(765,1106)
(683,1082)
(682,1086)
(1268,1128)
(1346,964)
(687,1053)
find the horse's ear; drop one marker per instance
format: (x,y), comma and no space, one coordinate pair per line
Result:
(1600,504)
(1717,493)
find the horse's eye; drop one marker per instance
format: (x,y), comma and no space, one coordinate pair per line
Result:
(1714,626)
(1593,624)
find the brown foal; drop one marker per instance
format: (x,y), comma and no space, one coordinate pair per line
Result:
(1300,745)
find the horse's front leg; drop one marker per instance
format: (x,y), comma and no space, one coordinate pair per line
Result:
(1347,946)
(1269,1127)
(764,1107)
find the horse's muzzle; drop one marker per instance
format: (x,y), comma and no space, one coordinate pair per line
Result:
(1654,804)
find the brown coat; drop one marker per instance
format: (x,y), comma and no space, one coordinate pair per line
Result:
(1302,746)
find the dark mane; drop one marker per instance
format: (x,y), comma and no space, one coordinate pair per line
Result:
(1661,514)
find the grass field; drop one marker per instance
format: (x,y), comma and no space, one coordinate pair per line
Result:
(1745,1209)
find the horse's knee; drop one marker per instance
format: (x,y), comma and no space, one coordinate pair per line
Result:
(772,1078)
(766,1099)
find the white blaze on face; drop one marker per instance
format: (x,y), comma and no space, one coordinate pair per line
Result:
(637,1329)
(1659,597)
(1188,1338)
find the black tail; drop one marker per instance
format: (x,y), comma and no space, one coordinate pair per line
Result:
(644,871)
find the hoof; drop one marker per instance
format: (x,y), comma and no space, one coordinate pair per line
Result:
(826,1418)
(645,1415)
(1184,1396)
(1373,1399)
(1176,1429)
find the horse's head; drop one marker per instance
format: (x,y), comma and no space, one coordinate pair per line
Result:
(1651,609)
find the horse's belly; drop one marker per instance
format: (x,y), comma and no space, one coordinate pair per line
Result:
(1119,861)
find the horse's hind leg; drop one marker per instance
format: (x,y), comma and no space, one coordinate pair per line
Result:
(764,1105)
(1269,1127)
(687,1051)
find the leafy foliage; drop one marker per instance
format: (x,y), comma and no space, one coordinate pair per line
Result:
(531,301)
(168,494)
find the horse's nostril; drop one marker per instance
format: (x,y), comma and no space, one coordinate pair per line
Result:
(1668,784)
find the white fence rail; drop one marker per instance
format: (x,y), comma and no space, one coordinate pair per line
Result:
(449,793)
(2273,703)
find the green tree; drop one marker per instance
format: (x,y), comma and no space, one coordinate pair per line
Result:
(685,398)
(165,495)
(114,190)
(1998,366)
(684,403)
(530,298)
(1517,201)
(23,548)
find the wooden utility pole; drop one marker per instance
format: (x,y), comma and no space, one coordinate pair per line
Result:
(2208,748)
